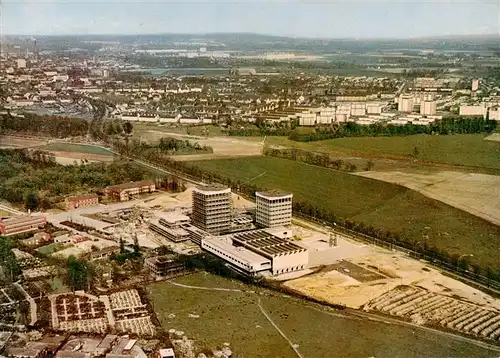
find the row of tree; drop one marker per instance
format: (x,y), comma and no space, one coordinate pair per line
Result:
(44,126)
(451,125)
(313,158)
(172,145)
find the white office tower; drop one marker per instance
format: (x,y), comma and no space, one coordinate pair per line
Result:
(428,108)
(212,209)
(405,104)
(273,208)
(475,85)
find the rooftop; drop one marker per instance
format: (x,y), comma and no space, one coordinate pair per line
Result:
(21,219)
(131,185)
(241,253)
(273,193)
(266,243)
(212,187)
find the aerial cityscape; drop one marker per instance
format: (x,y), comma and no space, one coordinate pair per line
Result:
(240,179)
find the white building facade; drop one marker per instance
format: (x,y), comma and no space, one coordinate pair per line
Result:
(273,209)
(428,108)
(212,209)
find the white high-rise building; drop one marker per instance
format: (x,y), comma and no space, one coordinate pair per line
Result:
(428,108)
(273,208)
(405,104)
(475,84)
(212,209)
(21,63)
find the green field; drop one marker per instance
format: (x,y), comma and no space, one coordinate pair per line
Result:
(235,317)
(78,148)
(376,203)
(459,149)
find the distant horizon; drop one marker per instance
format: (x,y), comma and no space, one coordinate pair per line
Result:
(206,34)
(322,19)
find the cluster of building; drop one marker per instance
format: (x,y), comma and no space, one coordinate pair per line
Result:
(81,346)
(262,247)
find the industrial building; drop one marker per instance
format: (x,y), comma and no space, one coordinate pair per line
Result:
(126,191)
(274,208)
(257,251)
(21,224)
(428,108)
(243,259)
(212,209)
(82,201)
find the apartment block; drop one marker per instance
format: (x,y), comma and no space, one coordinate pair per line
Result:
(212,209)
(82,201)
(274,208)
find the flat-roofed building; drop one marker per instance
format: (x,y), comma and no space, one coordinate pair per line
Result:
(81,201)
(161,266)
(175,234)
(21,224)
(285,256)
(274,208)
(475,110)
(212,209)
(126,191)
(240,257)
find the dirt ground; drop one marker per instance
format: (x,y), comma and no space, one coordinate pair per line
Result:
(495,137)
(478,194)
(68,158)
(20,142)
(184,200)
(340,287)
(222,146)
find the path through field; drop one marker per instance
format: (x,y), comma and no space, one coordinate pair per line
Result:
(495,137)
(350,316)
(262,310)
(478,194)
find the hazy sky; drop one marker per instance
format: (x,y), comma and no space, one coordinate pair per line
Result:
(328,18)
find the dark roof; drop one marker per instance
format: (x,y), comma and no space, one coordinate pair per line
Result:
(132,184)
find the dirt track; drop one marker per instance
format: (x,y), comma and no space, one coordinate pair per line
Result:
(478,194)
(77,156)
(495,137)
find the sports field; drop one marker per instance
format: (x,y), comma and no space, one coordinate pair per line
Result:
(459,149)
(380,204)
(214,317)
(77,148)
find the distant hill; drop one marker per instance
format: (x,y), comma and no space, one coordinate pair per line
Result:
(261,42)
